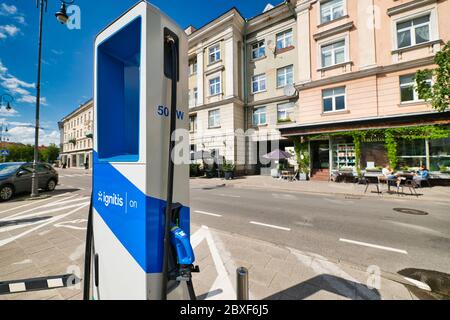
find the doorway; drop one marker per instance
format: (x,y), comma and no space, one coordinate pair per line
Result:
(320,160)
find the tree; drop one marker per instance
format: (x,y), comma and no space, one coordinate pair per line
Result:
(439,93)
(50,154)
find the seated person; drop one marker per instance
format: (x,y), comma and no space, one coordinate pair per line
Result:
(421,175)
(388,173)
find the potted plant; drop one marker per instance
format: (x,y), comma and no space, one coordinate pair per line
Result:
(228,169)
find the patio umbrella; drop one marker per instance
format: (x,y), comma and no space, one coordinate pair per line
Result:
(277,155)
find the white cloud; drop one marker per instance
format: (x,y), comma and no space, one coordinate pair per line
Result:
(8,30)
(57,52)
(26,135)
(6,10)
(20,19)
(17,87)
(8,113)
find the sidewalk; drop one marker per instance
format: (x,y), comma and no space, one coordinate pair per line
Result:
(284,273)
(437,193)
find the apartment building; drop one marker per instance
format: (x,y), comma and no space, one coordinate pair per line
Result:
(363,57)
(351,63)
(76,132)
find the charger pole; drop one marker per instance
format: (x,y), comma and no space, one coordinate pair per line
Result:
(169,202)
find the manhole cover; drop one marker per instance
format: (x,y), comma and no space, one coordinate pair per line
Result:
(411,211)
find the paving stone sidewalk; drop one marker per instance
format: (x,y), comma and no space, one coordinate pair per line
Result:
(437,193)
(277,272)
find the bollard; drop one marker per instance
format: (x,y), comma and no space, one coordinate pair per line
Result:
(242,283)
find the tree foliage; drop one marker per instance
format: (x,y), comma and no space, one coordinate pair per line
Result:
(439,93)
(25,153)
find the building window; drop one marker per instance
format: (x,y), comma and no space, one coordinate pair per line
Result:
(284,39)
(193,97)
(333,53)
(258,50)
(259,116)
(411,153)
(285,112)
(193,66)
(193,123)
(214,86)
(214,118)
(331,10)
(333,99)
(214,53)
(413,31)
(259,83)
(285,76)
(440,154)
(408,92)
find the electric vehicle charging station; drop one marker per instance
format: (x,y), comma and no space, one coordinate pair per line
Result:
(136,187)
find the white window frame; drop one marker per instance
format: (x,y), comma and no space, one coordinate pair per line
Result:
(414,85)
(434,28)
(333,51)
(334,96)
(283,37)
(259,79)
(195,95)
(255,47)
(285,107)
(319,12)
(412,30)
(194,122)
(214,52)
(210,85)
(285,83)
(193,67)
(257,112)
(216,116)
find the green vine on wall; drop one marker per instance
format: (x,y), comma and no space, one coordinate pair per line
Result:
(391,138)
(302,155)
(391,147)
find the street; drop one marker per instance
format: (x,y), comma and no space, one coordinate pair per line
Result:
(46,237)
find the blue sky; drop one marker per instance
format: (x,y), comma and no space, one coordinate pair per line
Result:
(68,54)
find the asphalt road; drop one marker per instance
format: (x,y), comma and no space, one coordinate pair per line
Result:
(361,231)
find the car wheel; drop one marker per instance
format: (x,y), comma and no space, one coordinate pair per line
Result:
(51,185)
(6,193)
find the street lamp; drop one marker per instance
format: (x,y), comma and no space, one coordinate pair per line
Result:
(62,17)
(8,99)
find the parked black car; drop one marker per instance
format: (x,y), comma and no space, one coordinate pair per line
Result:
(15,178)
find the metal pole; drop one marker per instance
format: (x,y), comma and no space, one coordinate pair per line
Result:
(34,177)
(242,283)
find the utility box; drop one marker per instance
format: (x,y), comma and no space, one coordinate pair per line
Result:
(131,153)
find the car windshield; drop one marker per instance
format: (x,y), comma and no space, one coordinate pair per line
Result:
(7,169)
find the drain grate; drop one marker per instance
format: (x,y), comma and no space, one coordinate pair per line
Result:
(411,211)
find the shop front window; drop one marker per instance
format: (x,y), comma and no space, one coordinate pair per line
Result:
(440,155)
(411,154)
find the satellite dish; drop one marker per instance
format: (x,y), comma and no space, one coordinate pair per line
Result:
(289,90)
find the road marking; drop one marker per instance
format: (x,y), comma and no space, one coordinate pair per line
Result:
(52,210)
(374,246)
(228,195)
(8,240)
(270,226)
(208,213)
(222,283)
(35,208)
(28,204)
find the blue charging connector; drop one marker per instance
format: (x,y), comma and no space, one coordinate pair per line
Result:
(180,241)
